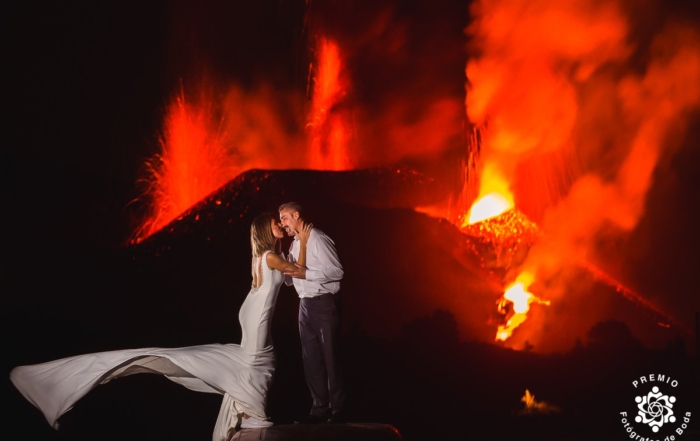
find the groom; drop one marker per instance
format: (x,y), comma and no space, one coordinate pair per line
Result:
(319,315)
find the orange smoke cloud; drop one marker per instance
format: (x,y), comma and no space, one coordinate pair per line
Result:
(556,89)
(522,82)
(658,103)
(653,113)
(531,55)
(406,96)
(262,128)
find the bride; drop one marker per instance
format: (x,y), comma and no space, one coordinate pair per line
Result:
(241,373)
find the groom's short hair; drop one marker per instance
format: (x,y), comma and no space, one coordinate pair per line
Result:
(294,206)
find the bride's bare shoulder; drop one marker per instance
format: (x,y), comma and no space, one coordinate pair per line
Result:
(275,261)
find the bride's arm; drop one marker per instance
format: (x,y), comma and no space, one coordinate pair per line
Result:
(274,261)
(303,234)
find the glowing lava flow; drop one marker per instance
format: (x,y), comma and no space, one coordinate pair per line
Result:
(520,298)
(494,221)
(533,406)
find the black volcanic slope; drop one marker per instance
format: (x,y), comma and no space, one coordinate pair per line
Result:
(399,264)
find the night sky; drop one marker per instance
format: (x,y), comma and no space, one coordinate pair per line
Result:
(90,82)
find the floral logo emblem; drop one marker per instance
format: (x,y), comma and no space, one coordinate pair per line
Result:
(655,409)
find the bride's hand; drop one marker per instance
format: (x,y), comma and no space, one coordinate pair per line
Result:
(304,232)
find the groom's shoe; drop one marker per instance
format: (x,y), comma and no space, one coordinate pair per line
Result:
(312,419)
(338,418)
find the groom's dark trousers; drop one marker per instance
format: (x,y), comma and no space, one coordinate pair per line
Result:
(319,331)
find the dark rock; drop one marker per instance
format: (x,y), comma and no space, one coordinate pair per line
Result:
(322,432)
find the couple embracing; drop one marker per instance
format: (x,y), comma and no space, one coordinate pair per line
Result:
(242,373)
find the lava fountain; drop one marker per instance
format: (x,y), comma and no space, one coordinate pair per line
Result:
(193,162)
(209,139)
(329,133)
(494,197)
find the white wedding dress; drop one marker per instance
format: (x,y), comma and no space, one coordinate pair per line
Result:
(241,373)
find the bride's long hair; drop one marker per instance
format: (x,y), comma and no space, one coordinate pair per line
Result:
(261,237)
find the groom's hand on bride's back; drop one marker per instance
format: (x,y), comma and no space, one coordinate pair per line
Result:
(295,270)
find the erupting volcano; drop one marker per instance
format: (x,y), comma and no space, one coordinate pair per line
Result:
(510,186)
(533,200)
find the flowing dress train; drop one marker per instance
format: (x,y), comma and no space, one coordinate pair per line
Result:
(242,373)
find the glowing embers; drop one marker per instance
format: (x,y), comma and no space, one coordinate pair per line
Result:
(502,241)
(515,304)
(535,407)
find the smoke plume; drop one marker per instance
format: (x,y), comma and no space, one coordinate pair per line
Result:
(574,92)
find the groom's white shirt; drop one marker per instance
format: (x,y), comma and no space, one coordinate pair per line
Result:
(324,270)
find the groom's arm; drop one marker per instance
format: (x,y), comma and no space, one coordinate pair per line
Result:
(330,269)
